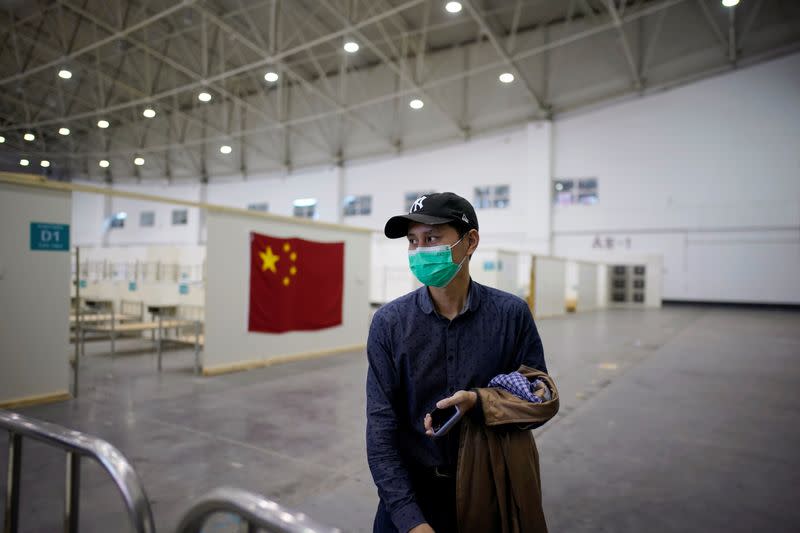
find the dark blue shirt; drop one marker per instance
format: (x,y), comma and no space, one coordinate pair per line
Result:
(416,358)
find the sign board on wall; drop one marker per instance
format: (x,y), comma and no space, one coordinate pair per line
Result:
(49,237)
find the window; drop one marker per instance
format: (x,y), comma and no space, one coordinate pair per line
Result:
(575,191)
(481,197)
(118,220)
(305,208)
(263,207)
(411,197)
(587,191)
(497,196)
(180,217)
(357,205)
(147,219)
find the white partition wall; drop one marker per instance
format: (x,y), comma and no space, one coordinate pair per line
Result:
(228,344)
(390,275)
(601,277)
(571,285)
(498,269)
(34,296)
(508,262)
(587,286)
(549,277)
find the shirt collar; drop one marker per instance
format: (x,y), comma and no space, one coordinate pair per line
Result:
(425,301)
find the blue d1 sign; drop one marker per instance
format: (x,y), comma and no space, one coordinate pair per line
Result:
(52,237)
(183,288)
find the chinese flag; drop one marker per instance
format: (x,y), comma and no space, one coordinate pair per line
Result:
(295,284)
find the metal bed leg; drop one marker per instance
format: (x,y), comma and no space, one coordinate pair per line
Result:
(113,333)
(72,493)
(197,347)
(159,342)
(11,523)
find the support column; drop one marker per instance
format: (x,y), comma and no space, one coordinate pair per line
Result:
(539,208)
(202,215)
(340,193)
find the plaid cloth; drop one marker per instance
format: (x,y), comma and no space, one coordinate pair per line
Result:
(519,386)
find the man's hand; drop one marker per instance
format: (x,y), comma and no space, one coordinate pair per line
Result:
(422,528)
(464,399)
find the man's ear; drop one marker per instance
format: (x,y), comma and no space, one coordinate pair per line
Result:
(473,238)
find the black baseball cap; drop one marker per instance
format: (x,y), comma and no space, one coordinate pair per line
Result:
(434,208)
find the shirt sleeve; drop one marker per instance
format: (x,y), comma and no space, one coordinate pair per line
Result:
(388,470)
(529,345)
(530,351)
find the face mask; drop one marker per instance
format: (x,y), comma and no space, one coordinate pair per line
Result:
(434,266)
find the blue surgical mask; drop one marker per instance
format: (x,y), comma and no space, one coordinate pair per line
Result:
(434,266)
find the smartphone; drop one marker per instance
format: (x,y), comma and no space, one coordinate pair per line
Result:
(443,420)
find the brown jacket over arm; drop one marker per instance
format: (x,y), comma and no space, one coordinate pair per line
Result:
(498,488)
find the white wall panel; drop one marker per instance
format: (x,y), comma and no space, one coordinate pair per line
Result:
(34,291)
(228,342)
(551,279)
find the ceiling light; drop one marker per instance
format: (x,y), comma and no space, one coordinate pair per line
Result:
(45,163)
(63,131)
(103,124)
(103,163)
(416,103)
(24,162)
(139,161)
(29,136)
(64,74)
(204,97)
(730,3)
(351,47)
(149,112)
(453,7)
(506,77)
(225,149)
(2,139)
(271,77)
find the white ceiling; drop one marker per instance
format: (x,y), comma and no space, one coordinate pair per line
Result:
(329,106)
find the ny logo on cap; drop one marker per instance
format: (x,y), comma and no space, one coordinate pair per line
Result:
(417,205)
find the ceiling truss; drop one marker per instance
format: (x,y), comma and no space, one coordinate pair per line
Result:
(329,106)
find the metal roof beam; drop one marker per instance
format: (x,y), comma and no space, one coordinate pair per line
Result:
(241,69)
(626,49)
(353,30)
(97,44)
(177,65)
(501,51)
(286,68)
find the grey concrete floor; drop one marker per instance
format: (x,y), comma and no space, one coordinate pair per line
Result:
(678,419)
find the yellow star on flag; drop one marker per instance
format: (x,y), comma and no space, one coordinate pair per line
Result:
(268,260)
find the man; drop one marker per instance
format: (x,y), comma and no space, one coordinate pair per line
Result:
(428,349)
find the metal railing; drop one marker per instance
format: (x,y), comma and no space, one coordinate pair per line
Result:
(77,445)
(257,512)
